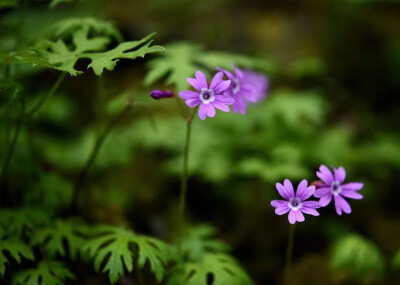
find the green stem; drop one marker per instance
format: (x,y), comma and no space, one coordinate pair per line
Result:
(11,151)
(184,182)
(43,100)
(289,252)
(95,151)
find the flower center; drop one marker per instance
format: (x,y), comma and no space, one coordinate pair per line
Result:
(207,95)
(336,188)
(295,203)
(235,86)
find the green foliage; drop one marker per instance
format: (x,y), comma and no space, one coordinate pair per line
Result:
(396,260)
(115,248)
(14,222)
(200,240)
(182,59)
(222,268)
(64,237)
(82,38)
(358,258)
(15,248)
(8,3)
(55,3)
(46,273)
(51,192)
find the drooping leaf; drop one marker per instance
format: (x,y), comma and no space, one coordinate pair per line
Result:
(15,248)
(46,273)
(114,247)
(359,258)
(200,240)
(62,238)
(221,268)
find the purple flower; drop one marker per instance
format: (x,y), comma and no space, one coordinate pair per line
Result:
(158,94)
(247,87)
(295,202)
(332,186)
(209,97)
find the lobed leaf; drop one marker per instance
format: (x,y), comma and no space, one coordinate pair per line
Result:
(113,248)
(46,273)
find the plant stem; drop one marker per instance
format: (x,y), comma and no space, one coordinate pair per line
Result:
(10,151)
(289,255)
(184,183)
(95,151)
(53,89)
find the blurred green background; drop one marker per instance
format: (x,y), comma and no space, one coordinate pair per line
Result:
(334,68)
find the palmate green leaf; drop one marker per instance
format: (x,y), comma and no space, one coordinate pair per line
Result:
(46,273)
(114,247)
(182,59)
(223,268)
(200,240)
(15,221)
(15,248)
(63,238)
(359,258)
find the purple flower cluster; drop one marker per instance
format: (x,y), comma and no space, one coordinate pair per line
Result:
(241,88)
(331,185)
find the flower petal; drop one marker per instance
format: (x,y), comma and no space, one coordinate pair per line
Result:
(299,216)
(282,191)
(289,187)
(203,111)
(304,192)
(325,200)
(310,211)
(187,94)
(196,85)
(201,79)
(322,192)
(238,72)
(292,217)
(351,194)
(239,105)
(340,174)
(223,85)
(325,174)
(225,99)
(353,186)
(282,210)
(221,106)
(341,204)
(216,80)
(311,204)
(210,110)
(193,102)
(279,203)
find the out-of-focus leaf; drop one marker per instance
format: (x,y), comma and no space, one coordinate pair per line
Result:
(200,240)
(63,238)
(183,59)
(396,260)
(46,273)
(15,221)
(359,258)
(223,269)
(15,248)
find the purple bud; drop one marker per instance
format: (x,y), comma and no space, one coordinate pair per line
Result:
(158,94)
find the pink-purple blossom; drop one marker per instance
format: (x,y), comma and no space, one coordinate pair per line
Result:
(295,202)
(247,87)
(159,94)
(332,185)
(207,96)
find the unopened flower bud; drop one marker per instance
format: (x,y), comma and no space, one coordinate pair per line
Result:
(158,94)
